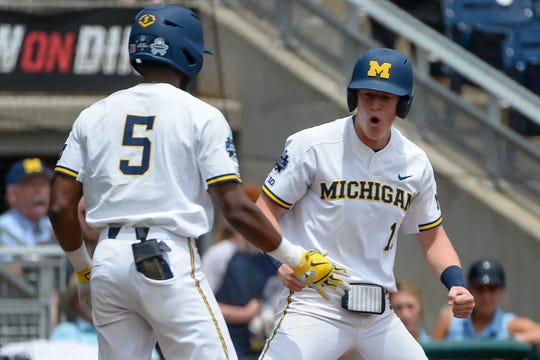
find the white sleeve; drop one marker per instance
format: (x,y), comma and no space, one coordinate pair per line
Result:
(425,212)
(293,173)
(216,153)
(71,161)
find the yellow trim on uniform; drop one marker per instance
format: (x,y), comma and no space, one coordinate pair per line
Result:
(205,300)
(430,225)
(274,332)
(66,171)
(223,178)
(274,198)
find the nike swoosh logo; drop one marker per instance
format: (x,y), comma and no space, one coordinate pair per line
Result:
(403,177)
(317,264)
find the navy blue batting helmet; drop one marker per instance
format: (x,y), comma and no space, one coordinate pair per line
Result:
(167,34)
(486,272)
(384,70)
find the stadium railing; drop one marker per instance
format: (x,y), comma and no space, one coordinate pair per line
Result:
(480,349)
(27,302)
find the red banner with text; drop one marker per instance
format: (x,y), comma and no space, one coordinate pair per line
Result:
(76,52)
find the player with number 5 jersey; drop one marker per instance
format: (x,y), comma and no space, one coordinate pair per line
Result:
(347,187)
(151,161)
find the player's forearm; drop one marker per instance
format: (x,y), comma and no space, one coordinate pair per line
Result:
(270,210)
(68,231)
(65,196)
(255,227)
(249,221)
(66,227)
(244,216)
(438,250)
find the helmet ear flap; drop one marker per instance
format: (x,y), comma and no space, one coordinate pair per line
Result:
(352,99)
(404,105)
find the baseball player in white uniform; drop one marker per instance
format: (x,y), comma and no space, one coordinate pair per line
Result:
(150,159)
(347,187)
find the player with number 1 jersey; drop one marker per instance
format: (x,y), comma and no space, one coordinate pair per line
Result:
(345,205)
(347,187)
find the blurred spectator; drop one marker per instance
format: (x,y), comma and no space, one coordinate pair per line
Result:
(27,191)
(246,286)
(486,282)
(78,326)
(26,222)
(408,304)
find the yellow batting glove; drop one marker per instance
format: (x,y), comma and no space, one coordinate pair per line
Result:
(84,275)
(319,273)
(335,282)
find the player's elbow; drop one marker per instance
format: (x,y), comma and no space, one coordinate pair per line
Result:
(59,210)
(55,212)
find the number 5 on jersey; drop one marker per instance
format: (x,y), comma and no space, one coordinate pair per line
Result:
(131,140)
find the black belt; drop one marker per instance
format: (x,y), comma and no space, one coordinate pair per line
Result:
(140,232)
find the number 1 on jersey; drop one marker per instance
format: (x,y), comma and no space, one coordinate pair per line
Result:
(131,140)
(392,231)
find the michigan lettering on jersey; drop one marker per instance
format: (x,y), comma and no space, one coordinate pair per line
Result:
(366,190)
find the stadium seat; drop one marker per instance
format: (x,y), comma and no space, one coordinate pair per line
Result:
(521,59)
(522,50)
(482,26)
(496,14)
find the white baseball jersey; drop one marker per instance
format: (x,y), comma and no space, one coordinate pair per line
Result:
(350,200)
(145,157)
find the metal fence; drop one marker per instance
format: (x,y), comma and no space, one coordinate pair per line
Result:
(480,349)
(28,299)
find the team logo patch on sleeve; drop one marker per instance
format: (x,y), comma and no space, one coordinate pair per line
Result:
(282,162)
(229,146)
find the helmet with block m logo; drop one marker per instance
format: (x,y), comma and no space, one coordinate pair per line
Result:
(384,70)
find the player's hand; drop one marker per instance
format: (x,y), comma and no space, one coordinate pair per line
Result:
(316,271)
(461,300)
(289,279)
